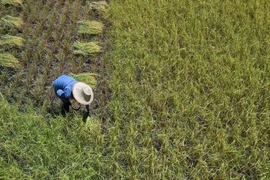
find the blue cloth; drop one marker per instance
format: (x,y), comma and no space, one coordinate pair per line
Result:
(63,86)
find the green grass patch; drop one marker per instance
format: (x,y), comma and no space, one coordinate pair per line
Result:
(11,41)
(11,21)
(90,27)
(86,48)
(8,60)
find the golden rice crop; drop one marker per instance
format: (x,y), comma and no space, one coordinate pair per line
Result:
(90,27)
(11,41)
(12,2)
(8,60)
(11,21)
(88,48)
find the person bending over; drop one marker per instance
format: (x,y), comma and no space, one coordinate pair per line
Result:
(67,88)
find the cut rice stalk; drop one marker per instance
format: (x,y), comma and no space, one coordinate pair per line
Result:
(86,48)
(12,21)
(101,6)
(88,78)
(90,27)
(11,41)
(16,3)
(8,60)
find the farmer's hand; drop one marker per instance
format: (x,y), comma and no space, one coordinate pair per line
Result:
(87,107)
(69,103)
(87,113)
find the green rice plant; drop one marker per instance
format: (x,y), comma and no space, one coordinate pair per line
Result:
(8,60)
(207,103)
(16,3)
(11,41)
(11,21)
(92,132)
(90,27)
(37,89)
(86,48)
(88,78)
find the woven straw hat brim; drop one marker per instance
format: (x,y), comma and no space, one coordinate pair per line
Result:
(78,93)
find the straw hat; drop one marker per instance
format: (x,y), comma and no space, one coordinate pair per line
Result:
(82,93)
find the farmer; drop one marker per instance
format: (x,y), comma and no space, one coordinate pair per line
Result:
(67,88)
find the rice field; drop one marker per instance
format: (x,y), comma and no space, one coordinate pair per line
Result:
(181,89)
(46,39)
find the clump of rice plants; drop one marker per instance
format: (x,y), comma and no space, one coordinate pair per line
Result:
(11,41)
(11,21)
(8,60)
(86,48)
(65,157)
(16,3)
(90,27)
(88,78)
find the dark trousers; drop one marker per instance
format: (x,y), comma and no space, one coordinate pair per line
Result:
(65,106)
(65,109)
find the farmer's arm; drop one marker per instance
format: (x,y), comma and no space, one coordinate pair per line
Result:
(60,92)
(66,93)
